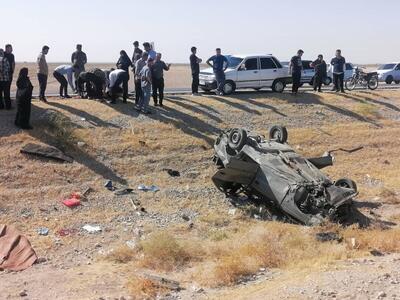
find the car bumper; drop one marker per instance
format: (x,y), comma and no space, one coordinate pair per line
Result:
(208,84)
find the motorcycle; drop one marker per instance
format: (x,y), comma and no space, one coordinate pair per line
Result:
(364,79)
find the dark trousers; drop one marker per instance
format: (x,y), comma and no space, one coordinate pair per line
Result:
(22,119)
(5,94)
(42,85)
(138,90)
(318,82)
(338,82)
(195,83)
(124,79)
(63,83)
(296,76)
(220,78)
(158,90)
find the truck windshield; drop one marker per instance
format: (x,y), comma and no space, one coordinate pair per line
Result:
(233,61)
(387,67)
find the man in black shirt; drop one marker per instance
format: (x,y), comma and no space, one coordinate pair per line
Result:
(157,79)
(295,68)
(78,60)
(195,66)
(319,66)
(11,60)
(339,66)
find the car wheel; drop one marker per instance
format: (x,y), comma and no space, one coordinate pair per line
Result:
(229,87)
(389,79)
(327,81)
(346,183)
(237,139)
(397,81)
(279,134)
(278,86)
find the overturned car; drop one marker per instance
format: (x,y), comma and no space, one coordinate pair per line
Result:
(270,172)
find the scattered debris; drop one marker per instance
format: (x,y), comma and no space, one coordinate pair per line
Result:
(142,143)
(375,252)
(16,252)
(163,282)
(328,236)
(131,244)
(87,191)
(295,186)
(232,211)
(123,191)
(172,173)
(92,228)
(23,293)
(109,185)
(46,152)
(73,201)
(151,188)
(65,232)
(43,231)
(81,144)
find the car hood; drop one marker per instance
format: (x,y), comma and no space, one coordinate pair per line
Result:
(383,71)
(209,71)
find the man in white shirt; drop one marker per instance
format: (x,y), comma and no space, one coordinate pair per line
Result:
(116,78)
(59,74)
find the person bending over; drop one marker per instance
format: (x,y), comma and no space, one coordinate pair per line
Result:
(59,73)
(116,78)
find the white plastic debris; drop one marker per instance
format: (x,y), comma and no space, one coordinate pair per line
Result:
(81,144)
(151,188)
(92,228)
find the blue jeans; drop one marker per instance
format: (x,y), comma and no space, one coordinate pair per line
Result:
(220,77)
(145,98)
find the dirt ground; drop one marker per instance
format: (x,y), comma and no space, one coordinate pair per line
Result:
(115,142)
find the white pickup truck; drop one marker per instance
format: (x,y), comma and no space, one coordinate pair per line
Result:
(249,71)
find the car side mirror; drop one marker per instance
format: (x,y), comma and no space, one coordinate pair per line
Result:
(242,68)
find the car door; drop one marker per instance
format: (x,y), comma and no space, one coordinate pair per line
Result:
(248,74)
(349,71)
(268,72)
(396,74)
(308,72)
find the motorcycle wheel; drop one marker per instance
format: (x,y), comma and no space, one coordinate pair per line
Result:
(373,83)
(350,83)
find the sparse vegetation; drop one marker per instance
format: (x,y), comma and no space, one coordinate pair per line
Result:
(122,254)
(144,288)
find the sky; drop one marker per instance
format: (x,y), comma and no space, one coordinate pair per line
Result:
(365,30)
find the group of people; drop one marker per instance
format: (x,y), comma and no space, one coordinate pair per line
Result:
(320,67)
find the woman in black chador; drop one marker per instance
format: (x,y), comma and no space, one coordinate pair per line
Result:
(24,98)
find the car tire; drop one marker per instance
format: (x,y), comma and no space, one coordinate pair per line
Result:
(229,87)
(397,81)
(237,139)
(346,183)
(327,81)
(278,133)
(389,79)
(278,86)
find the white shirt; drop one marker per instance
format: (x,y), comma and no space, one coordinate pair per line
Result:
(66,69)
(114,75)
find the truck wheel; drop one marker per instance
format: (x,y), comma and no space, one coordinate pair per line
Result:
(389,79)
(278,86)
(346,183)
(229,87)
(278,133)
(237,139)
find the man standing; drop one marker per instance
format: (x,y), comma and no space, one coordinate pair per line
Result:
(137,52)
(295,68)
(195,66)
(339,65)
(78,60)
(140,63)
(157,73)
(219,65)
(145,77)
(147,47)
(42,72)
(319,66)
(59,73)
(11,60)
(5,77)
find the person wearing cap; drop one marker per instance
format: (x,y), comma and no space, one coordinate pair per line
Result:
(295,68)
(42,72)
(195,66)
(78,60)
(140,63)
(145,78)
(59,74)
(319,66)
(157,74)
(147,47)
(219,63)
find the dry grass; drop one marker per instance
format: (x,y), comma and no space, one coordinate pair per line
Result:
(121,255)
(144,288)
(389,196)
(368,110)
